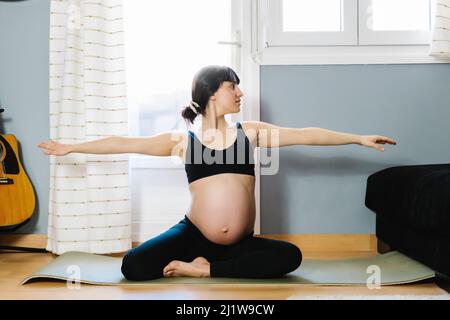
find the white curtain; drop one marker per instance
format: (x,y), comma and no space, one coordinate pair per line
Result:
(440,41)
(89,203)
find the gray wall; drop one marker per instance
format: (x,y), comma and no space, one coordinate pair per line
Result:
(321,189)
(24,28)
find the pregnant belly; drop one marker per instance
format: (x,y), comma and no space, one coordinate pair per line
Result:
(223,207)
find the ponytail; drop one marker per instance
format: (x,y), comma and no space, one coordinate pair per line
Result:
(190,112)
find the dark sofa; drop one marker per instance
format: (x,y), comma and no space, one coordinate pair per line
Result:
(412,207)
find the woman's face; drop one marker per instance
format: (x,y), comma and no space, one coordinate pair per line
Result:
(227,98)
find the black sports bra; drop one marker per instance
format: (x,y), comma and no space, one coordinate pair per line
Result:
(201,161)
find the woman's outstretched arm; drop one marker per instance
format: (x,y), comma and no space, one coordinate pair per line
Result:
(163,144)
(270,135)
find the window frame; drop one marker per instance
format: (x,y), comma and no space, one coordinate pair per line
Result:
(263,53)
(277,37)
(367,36)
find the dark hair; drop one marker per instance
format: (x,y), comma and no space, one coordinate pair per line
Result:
(206,82)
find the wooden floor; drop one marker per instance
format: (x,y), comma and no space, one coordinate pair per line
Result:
(15,266)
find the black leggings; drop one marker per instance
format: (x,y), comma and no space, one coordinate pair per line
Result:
(251,257)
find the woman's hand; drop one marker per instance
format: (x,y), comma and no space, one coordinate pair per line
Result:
(371,141)
(54,148)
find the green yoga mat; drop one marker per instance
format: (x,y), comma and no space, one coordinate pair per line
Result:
(389,268)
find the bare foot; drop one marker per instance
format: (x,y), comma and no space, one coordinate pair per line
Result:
(199,267)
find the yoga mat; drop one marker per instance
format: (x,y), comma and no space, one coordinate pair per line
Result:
(392,268)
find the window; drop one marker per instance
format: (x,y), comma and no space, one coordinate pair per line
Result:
(394,22)
(166,42)
(309,16)
(347,22)
(305,22)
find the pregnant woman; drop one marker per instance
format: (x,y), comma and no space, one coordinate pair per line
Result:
(215,238)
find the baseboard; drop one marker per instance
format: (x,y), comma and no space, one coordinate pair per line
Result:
(307,242)
(329,242)
(24,240)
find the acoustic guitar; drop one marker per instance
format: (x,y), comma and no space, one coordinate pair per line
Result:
(17,200)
